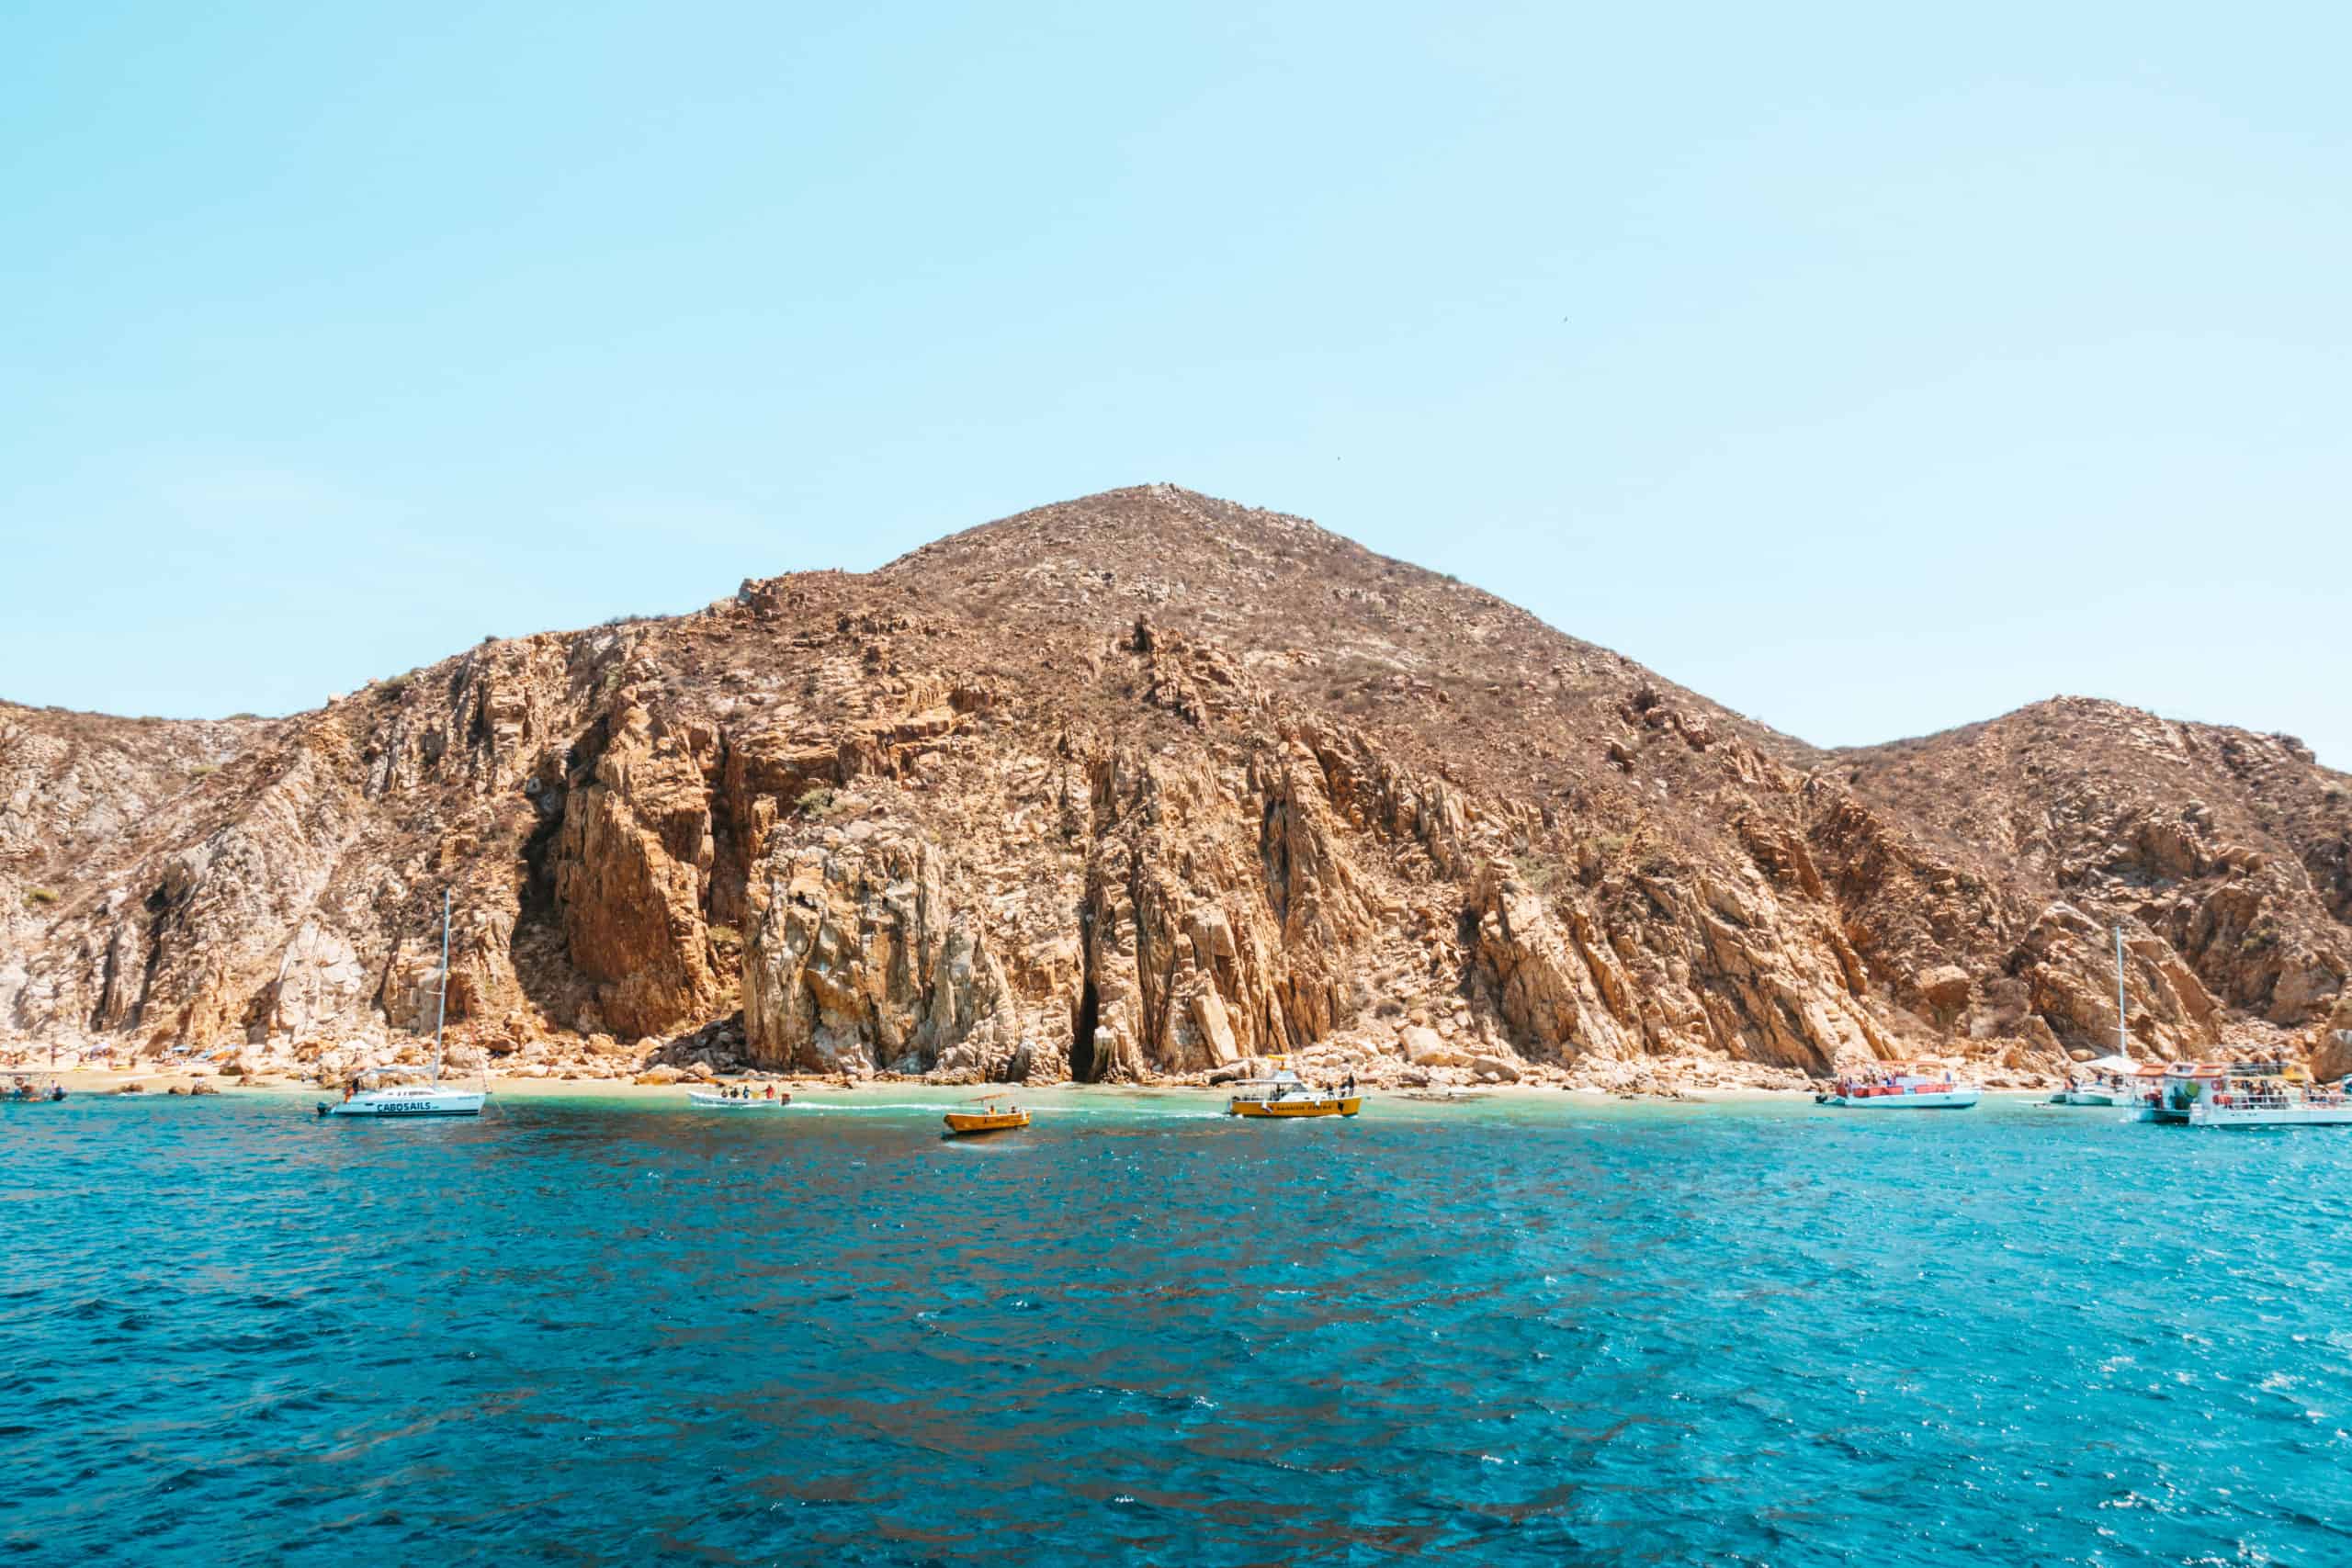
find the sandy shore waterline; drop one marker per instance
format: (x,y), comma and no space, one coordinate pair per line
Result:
(100,1082)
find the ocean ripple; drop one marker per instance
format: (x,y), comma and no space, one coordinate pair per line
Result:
(1536,1330)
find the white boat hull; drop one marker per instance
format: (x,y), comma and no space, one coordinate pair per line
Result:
(411,1102)
(2202,1115)
(2085,1097)
(721,1102)
(1935,1099)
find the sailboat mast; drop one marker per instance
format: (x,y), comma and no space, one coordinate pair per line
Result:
(441,1013)
(2123,1041)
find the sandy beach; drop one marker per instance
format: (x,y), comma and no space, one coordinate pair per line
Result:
(98,1081)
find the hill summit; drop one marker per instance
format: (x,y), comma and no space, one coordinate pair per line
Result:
(1141,785)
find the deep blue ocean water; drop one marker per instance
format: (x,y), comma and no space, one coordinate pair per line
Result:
(1543,1331)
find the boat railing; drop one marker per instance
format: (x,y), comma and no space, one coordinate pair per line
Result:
(1907,1084)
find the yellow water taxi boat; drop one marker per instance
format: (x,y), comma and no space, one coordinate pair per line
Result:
(989,1118)
(1284,1093)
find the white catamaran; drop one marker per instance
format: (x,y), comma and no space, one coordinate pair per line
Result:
(2250,1094)
(427,1099)
(2258,1093)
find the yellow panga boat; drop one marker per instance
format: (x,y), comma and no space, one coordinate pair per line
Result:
(1287,1094)
(990,1118)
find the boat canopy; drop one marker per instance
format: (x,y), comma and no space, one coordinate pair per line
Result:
(2110,1064)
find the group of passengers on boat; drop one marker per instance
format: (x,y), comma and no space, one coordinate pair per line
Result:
(2245,1093)
(744,1092)
(1900,1086)
(1865,1085)
(1282,1093)
(2270,1086)
(23,1088)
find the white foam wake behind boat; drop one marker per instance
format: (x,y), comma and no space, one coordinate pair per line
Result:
(428,1098)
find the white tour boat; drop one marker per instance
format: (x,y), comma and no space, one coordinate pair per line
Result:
(2251,1094)
(1901,1085)
(429,1098)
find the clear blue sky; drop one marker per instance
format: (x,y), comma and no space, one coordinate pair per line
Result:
(1870,370)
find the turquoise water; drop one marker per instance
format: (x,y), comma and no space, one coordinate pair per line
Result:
(580,1332)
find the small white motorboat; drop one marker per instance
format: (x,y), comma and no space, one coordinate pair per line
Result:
(1900,1086)
(706,1099)
(2111,1080)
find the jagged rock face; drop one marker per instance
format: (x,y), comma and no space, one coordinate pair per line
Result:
(1661,963)
(862,959)
(1144,784)
(1223,914)
(2332,1052)
(2218,851)
(632,872)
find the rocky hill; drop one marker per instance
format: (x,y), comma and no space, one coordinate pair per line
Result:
(1139,784)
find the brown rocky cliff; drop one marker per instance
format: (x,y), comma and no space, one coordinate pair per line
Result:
(1144,784)
(2222,854)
